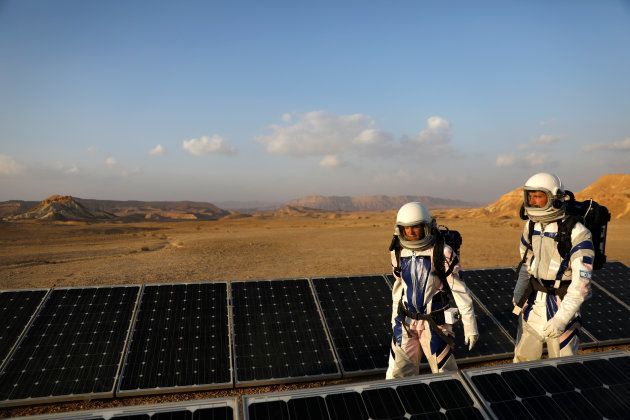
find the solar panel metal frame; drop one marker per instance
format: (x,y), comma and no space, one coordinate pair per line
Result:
(188,388)
(85,396)
(247,400)
(348,374)
(469,373)
(293,379)
(28,323)
(107,413)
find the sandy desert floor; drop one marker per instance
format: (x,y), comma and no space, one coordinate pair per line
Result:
(36,255)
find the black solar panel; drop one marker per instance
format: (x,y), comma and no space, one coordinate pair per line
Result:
(180,340)
(494,343)
(73,348)
(427,396)
(390,279)
(279,335)
(494,288)
(607,320)
(357,311)
(16,310)
(582,387)
(614,277)
(207,409)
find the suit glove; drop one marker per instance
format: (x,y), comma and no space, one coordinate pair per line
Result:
(470,340)
(553,328)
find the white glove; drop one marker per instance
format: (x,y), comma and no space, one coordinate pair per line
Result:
(470,340)
(553,329)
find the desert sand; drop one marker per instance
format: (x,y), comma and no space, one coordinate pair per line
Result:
(36,255)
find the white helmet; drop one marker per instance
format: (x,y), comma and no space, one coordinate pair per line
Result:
(552,186)
(415,214)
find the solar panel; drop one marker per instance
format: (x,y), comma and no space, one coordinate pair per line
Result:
(494,289)
(73,348)
(442,395)
(357,311)
(614,277)
(180,340)
(583,387)
(206,409)
(16,310)
(279,335)
(606,319)
(494,343)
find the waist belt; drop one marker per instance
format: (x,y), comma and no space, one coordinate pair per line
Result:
(434,318)
(546,286)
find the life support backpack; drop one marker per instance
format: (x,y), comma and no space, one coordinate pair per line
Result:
(591,214)
(444,236)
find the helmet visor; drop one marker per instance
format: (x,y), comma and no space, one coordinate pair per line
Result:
(415,232)
(537,199)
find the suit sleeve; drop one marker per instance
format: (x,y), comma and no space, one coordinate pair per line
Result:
(522,282)
(461,294)
(397,289)
(581,260)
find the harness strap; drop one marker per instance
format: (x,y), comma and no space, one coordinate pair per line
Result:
(431,319)
(546,286)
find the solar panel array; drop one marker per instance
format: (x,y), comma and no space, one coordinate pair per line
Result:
(206,409)
(443,395)
(279,335)
(85,343)
(180,340)
(593,386)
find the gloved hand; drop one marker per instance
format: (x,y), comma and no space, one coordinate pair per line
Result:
(553,328)
(470,340)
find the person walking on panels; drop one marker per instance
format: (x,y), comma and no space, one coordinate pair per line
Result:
(425,270)
(550,288)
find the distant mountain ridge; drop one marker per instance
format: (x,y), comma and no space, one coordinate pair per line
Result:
(62,207)
(373,202)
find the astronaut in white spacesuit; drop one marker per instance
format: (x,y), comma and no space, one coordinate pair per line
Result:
(423,278)
(551,287)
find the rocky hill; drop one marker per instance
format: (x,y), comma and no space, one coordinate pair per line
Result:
(372,202)
(70,208)
(62,207)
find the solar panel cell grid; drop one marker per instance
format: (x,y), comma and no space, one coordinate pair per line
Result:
(279,333)
(357,311)
(73,347)
(606,319)
(426,396)
(615,278)
(574,387)
(16,310)
(180,340)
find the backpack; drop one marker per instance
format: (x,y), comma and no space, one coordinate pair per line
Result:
(592,215)
(444,236)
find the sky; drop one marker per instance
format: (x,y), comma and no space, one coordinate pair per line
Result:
(270,101)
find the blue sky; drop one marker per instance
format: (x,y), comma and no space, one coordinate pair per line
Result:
(270,101)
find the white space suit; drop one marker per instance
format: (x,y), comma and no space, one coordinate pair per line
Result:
(419,289)
(550,288)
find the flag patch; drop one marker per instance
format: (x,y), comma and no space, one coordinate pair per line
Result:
(586,274)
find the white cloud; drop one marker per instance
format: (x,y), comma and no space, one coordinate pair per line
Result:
(286,117)
(547,139)
(158,150)
(535,159)
(206,145)
(319,133)
(111,162)
(621,145)
(330,161)
(8,166)
(68,170)
(547,121)
(505,160)
(437,133)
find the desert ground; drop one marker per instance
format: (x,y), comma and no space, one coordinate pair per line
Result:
(36,255)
